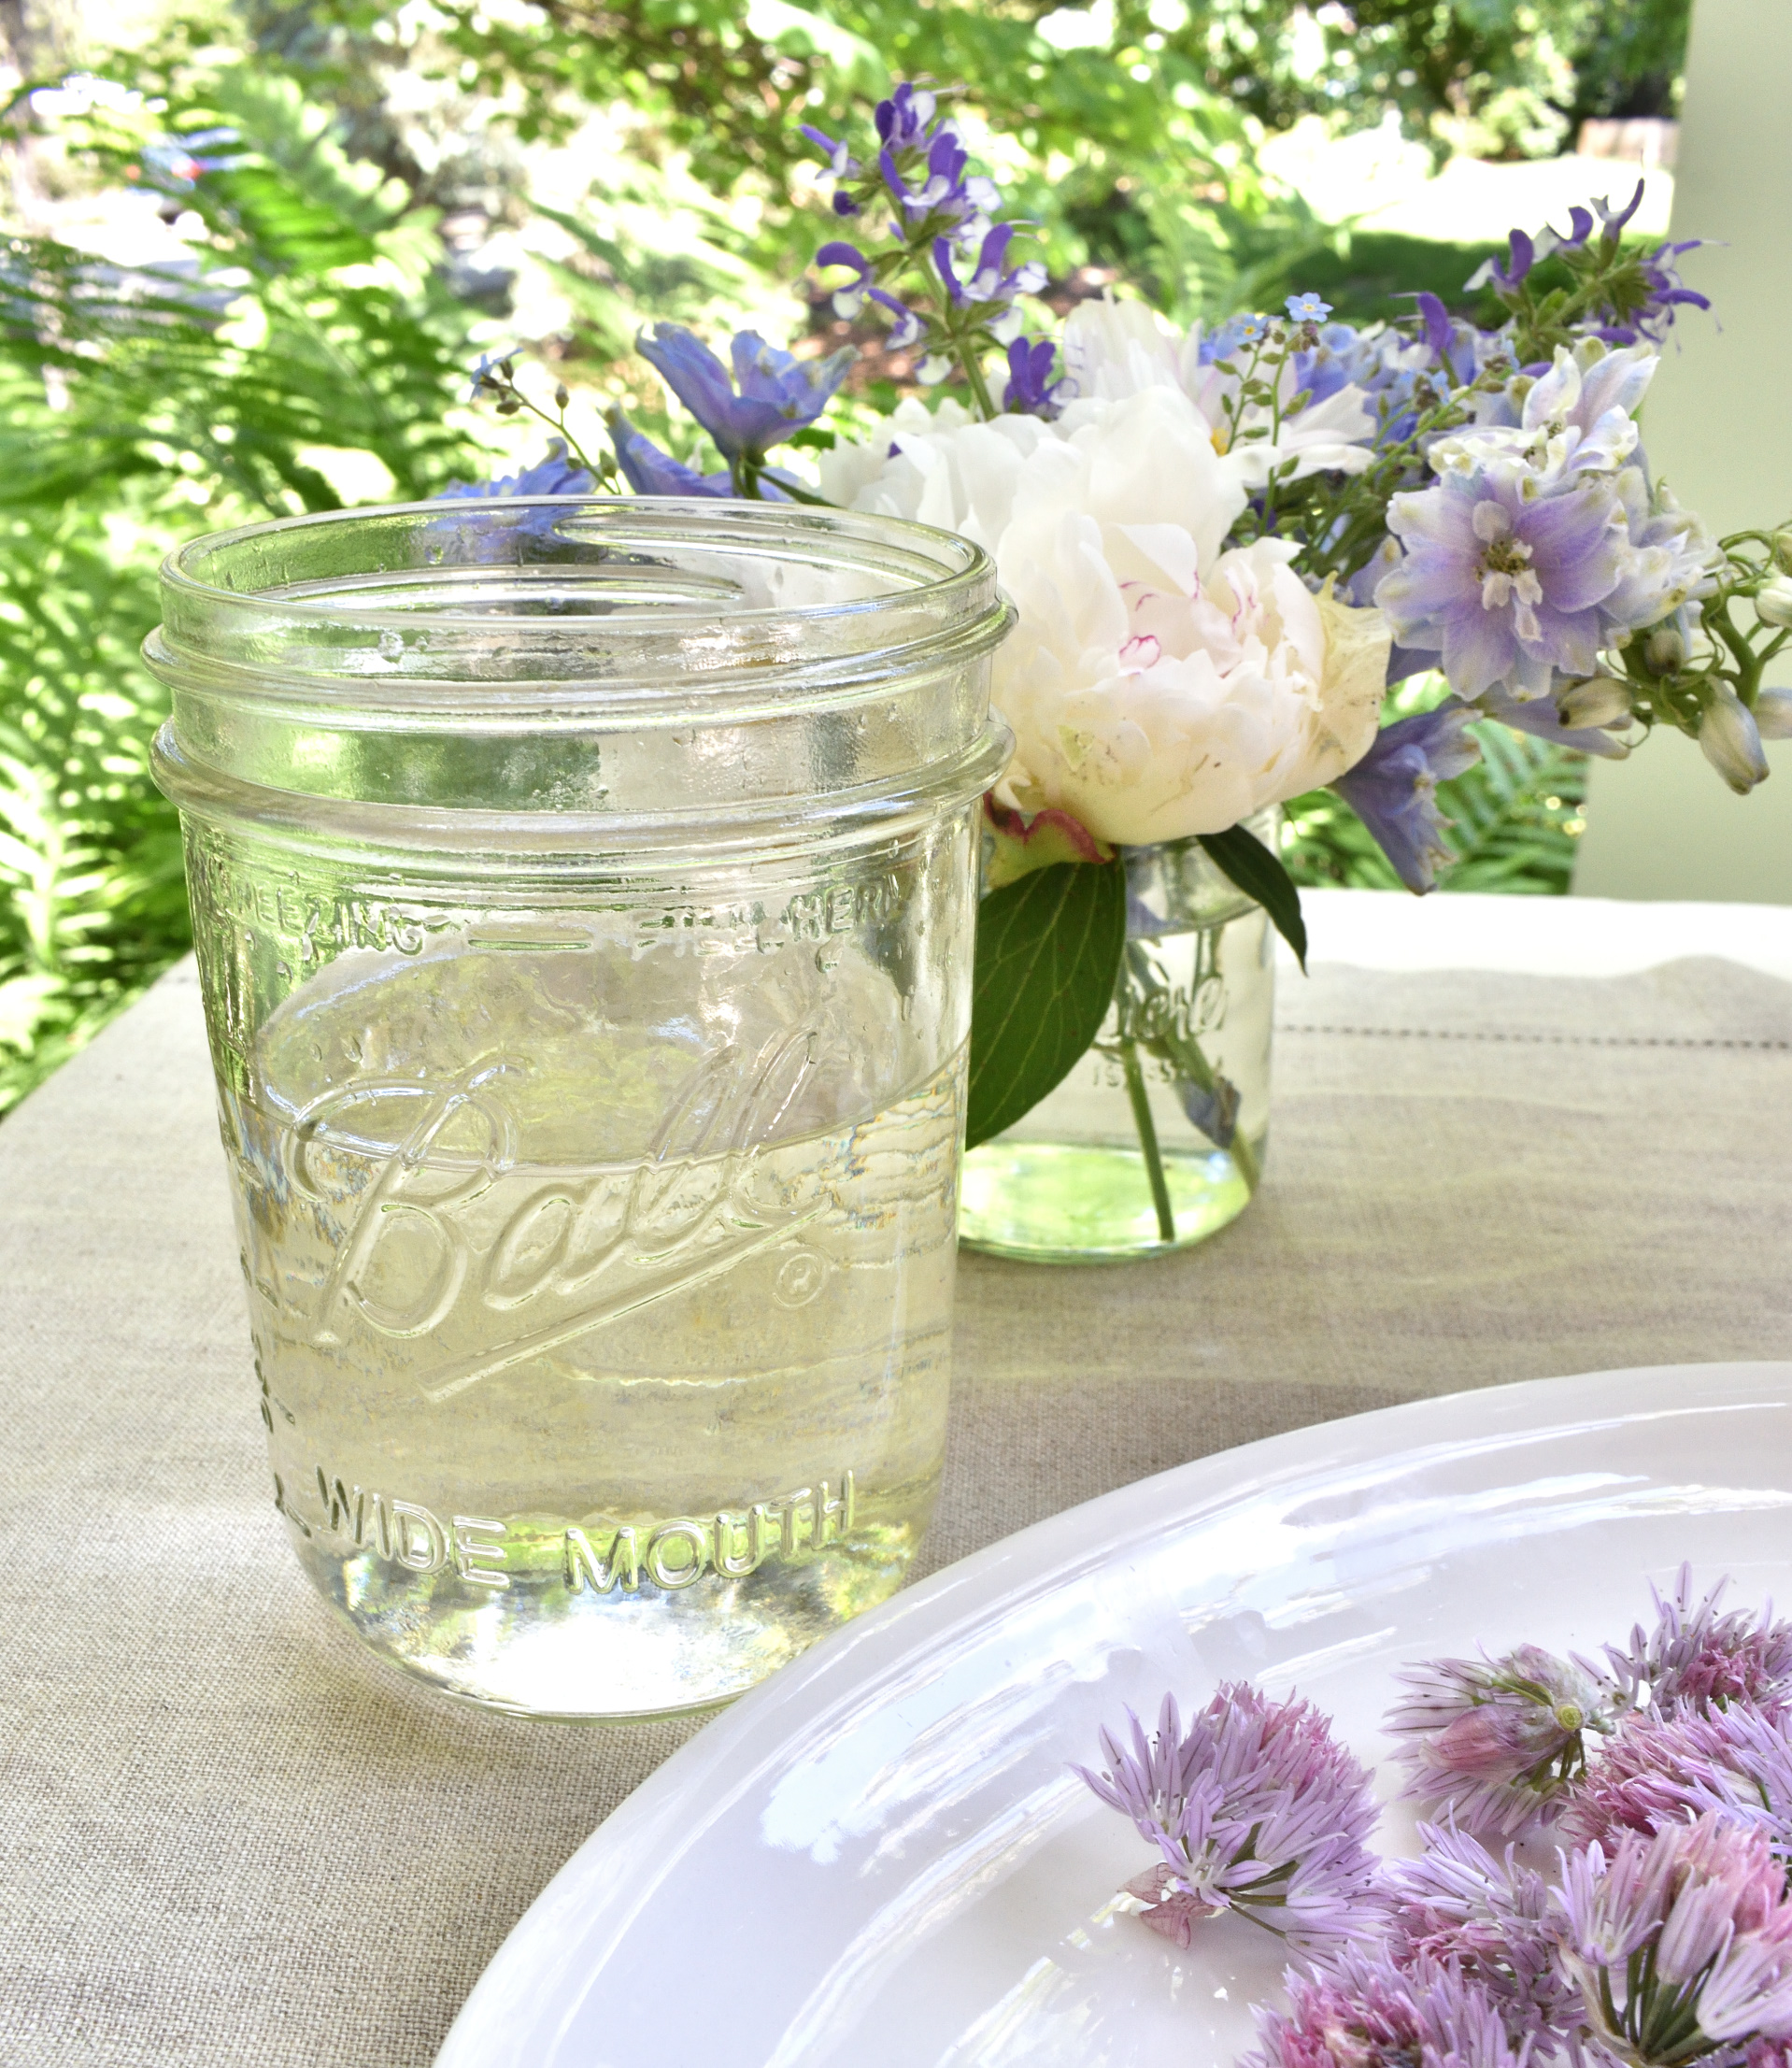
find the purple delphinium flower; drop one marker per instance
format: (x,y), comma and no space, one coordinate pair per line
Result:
(950,196)
(1672,565)
(1257,1809)
(1522,256)
(1641,294)
(1527,251)
(1436,324)
(904,119)
(1031,390)
(1497,1741)
(1372,2014)
(1578,416)
(1614,220)
(771,395)
(922,166)
(1502,583)
(991,282)
(1648,293)
(848,300)
(1393,789)
(1492,1919)
(1679,1943)
(840,165)
(906,327)
(553,474)
(1698,1657)
(1735,1763)
(648,471)
(1542,717)
(942,168)
(1662,291)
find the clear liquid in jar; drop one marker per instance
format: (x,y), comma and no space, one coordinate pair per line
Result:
(601,1307)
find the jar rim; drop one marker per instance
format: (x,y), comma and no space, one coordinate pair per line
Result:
(529,599)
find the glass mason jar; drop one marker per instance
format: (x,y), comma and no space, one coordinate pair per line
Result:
(1157,1137)
(584,893)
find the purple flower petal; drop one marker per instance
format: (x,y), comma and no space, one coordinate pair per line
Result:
(1393,789)
(777,392)
(649,471)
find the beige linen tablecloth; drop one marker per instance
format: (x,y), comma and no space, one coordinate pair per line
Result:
(230,1837)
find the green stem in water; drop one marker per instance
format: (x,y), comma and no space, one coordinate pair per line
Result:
(1136,1090)
(1184,1057)
(1243,1159)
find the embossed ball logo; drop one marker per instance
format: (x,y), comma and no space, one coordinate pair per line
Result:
(429,1234)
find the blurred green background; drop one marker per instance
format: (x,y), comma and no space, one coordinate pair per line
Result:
(250,252)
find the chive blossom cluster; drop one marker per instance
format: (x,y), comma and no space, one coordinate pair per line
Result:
(1659,1776)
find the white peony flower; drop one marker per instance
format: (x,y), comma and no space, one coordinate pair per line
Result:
(1157,685)
(1113,350)
(944,467)
(1577,418)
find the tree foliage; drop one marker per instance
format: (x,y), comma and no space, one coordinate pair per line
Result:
(1132,121)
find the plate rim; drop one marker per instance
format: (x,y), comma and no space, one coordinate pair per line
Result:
(617,1859)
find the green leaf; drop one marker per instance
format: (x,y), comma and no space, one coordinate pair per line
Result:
(1240,855)
(1049,951)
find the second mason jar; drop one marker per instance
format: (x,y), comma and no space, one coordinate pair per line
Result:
(584,896)
(1156,1139)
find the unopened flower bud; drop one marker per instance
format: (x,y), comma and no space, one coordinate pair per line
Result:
(1731,742)
(1782,551)
(1774,714)
(1773,605)
(562,395)
(1665,649)
(1604,700)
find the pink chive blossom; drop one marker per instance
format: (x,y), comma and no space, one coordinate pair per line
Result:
(1696,1655)
(1737,1762)
(1679,1943)
(1496,1740)
(1490,1918)
(1256,1808)
(1372,2014)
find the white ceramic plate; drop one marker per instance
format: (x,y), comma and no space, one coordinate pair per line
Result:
(879,1858)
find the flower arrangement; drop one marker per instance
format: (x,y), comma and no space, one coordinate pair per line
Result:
(1659,1776)
(1227,546)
